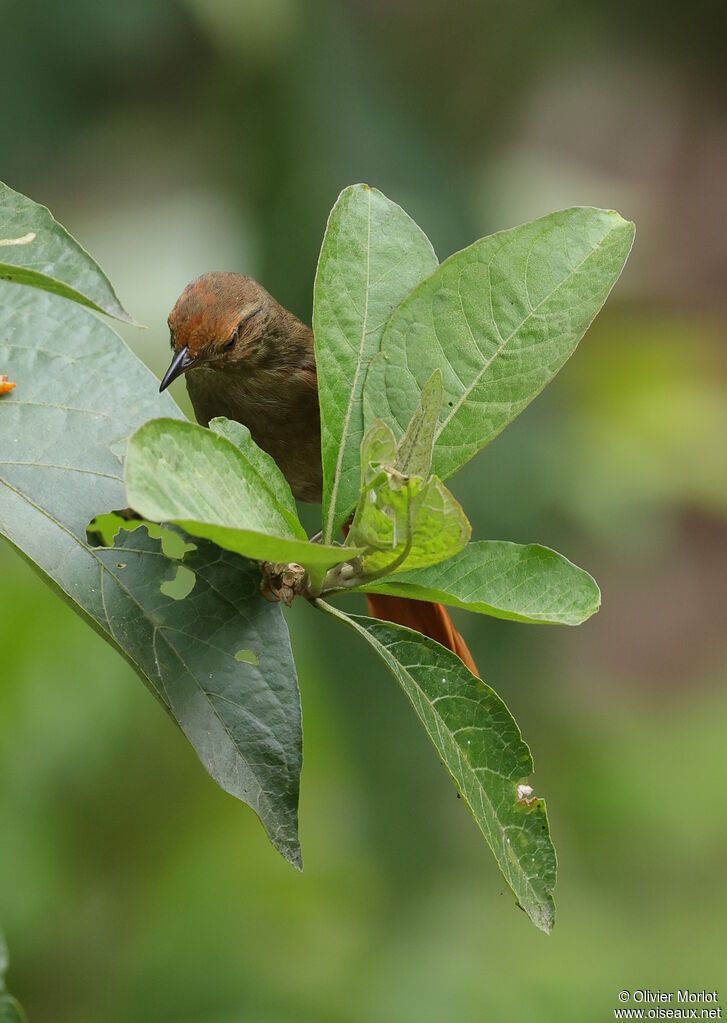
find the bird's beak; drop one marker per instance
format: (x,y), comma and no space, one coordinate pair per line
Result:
(181,361)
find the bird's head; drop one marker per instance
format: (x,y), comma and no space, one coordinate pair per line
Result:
(220,319)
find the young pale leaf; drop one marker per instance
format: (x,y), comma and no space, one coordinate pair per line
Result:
(506,580)
(409,523)
(213,488)
(10,1011)
(405,522)
(36,250)
(80,393)
(373,254)
(498,319)
(414,456)
(484,752)
(378,449)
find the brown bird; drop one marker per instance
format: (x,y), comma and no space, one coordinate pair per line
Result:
(247,358)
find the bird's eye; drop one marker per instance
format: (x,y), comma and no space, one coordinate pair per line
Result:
(239,330)
(171,338)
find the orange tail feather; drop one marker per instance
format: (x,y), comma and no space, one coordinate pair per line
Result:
(433,620)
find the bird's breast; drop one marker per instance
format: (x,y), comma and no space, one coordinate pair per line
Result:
(280,409)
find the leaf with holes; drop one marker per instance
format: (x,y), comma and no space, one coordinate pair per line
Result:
(80,394)
(373,254)
(229,492)
(481,747)
(419,366)
(498,319)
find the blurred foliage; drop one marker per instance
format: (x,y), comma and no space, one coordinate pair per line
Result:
(178,137)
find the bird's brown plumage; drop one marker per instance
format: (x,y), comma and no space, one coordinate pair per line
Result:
(248,358)
(253,361)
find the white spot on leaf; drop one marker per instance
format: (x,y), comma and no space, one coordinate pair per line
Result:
(25,240)
(525,795)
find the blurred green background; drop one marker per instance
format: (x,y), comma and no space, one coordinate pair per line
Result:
(184,135)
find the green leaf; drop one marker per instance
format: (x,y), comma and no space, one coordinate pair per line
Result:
(415,451)
(36,250)
(378,449)
(524,583)
(80,393)
(405,522)
(268,473)
(498,319)
(482,748)
(10,1010)
(234,495)
(224,466)
(412,524)
(373,254)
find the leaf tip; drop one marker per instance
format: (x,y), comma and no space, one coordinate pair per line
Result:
(620,223)
(294,855)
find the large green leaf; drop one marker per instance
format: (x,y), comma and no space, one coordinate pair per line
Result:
(373,254)
(10,1010)
(80,394)
(483,750)
(235,496)
(525,583)
(35,249)
(498,319)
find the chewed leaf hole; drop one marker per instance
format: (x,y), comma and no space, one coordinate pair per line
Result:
(181,585)
(173,545)
(103,530)
(526,796)
(248,656)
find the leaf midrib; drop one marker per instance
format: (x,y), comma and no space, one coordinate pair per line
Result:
(331,518)
(471,770)
(387,656)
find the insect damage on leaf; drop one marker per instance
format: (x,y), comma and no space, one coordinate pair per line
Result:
(526,796)
(25,240)
(419,366)
(180,585)
(103,530)
(247,657)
